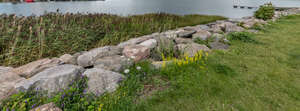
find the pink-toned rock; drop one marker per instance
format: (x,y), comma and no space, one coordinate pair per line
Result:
(6,90)
(136,52)
(47,107)
(7,82)
(35,67)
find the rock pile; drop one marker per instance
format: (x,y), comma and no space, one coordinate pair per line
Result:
(102,65)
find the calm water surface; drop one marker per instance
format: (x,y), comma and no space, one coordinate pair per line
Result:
(132,7)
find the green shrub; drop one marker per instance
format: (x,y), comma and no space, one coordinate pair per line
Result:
(265,12)
(166,48)
(241,36)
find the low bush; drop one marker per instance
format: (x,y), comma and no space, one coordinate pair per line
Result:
(241,36)
(265,12)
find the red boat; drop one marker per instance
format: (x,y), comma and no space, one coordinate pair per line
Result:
(29,1)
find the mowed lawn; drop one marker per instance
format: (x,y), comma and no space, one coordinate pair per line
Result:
(260,76)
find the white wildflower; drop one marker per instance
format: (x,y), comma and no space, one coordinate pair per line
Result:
(138,68)
(126,71)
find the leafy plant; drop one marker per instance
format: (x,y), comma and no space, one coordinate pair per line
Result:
(241,36)
(166,48)
(265,12)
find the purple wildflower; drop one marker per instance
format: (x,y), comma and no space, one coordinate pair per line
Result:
(33,106)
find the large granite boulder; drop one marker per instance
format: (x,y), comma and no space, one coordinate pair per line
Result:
(202,34)
(35,67)
(88,58)
(151,43)
(101,81)
(186,33)
(47,107)
(114,63)
(231,27)
(6,90)
(5,69)
(52,79)
(192,49)
(138,40)
(136,52)
(8,80)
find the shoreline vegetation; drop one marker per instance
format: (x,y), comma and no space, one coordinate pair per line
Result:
(235,64)
(26,39)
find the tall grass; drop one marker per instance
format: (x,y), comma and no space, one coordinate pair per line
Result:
(25,39)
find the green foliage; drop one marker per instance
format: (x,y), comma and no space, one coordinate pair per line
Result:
(241,36)
(265,12)
(166,48)
(261,77)
(26,39)
(205,42)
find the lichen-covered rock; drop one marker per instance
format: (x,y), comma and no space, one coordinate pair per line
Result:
(47,107)
(52,79)
(202,34)
(101,81)
(151,43)
(192,49)
(114,63)
(88,58)
(136,52)
(35,67)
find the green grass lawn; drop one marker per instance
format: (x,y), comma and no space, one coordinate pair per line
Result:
(260,76)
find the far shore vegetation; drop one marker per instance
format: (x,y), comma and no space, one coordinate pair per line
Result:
(26,39)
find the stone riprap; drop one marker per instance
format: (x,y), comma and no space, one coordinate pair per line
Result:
(103,65)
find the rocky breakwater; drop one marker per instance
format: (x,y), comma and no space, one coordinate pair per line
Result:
(103,66)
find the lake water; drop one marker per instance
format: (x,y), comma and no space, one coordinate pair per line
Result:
(132,7)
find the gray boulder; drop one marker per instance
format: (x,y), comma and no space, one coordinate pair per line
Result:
(35,67)
(183,40)
(202,34)
(114,63)
(186,33)
(192,49)
(101,81)
(52,79)
(151,43)
(136,41)
(88,58)
(231,27)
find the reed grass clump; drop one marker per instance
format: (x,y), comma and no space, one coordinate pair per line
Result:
(25,39)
